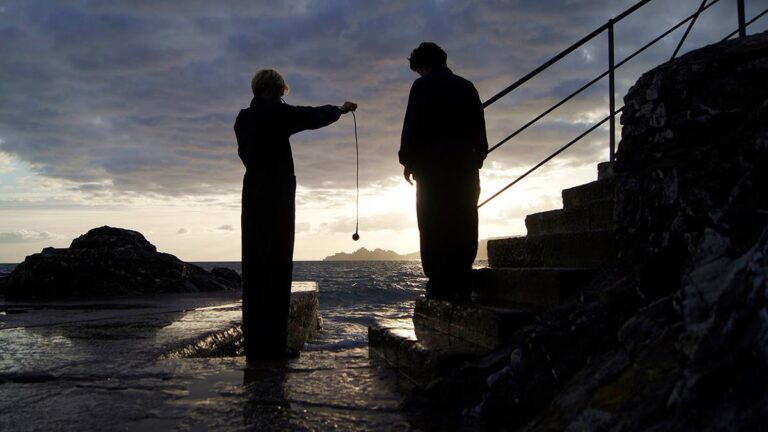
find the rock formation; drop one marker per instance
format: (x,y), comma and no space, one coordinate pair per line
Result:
(110,261)
(3,277)
(676,337)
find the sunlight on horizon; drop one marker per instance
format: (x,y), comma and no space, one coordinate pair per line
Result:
(126,126)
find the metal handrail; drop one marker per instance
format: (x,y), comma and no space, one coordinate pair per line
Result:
(596,79)
(610,72)
(550,157)
(562,54)
(688,30)
(746,24)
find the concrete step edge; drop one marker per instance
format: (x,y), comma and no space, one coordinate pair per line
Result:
(416,359)
(589,249)
(484,325)
(588,192)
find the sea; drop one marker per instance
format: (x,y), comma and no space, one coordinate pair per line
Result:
(355,295)
(333,385)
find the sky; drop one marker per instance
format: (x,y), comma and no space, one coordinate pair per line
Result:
(120,113)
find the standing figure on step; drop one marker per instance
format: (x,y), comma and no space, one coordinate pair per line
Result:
(269,207)
(443,147)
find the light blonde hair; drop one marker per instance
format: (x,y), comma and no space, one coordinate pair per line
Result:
(267,82)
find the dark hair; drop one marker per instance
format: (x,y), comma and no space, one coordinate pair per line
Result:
(427,55)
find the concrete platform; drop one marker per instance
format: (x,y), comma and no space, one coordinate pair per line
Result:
(303,324)
(103,364)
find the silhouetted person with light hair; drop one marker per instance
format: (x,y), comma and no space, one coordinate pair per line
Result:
(269,208)
(443,147)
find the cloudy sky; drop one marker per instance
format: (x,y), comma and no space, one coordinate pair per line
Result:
(120,112)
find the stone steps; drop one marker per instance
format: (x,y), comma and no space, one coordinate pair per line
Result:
(595,216)
(483,325)
(441,336)
(599,190)
(551,265)
(595,249)
(533,287)
(418,353)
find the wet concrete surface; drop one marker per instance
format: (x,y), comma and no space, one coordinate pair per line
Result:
(99,365)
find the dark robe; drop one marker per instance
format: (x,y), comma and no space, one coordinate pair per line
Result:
(268,216)
(444,144)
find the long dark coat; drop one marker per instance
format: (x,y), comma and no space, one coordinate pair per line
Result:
(268,216)
(444,144)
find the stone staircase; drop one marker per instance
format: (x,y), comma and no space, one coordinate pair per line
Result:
(526,275)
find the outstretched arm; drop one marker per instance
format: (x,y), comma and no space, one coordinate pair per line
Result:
(301,118)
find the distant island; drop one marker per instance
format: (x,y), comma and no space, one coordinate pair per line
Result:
(377,254)
(364,254)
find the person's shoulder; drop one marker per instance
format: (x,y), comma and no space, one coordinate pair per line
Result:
(465,84)
(420,81)
(243,114)
(463,80)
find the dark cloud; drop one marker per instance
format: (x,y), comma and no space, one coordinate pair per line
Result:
(140,96)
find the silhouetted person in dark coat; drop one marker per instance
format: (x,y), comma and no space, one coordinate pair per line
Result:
(443,146)
(268,212)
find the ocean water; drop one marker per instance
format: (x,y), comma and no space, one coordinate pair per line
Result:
(355,295)
(95,361)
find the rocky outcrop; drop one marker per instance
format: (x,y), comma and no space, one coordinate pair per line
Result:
(692,159)
(3,277)
(110,261)
(677,337)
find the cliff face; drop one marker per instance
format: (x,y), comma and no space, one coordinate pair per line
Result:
(677,338)
(693,207)
(692,156)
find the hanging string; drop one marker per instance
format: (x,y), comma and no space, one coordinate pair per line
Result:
(356,236)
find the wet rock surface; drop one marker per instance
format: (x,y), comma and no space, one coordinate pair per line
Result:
(109,261)
(675,338)
(303,325)
(101,365)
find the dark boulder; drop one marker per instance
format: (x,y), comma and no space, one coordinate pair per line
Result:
(227,274)
(112,238)
(3,277)
(109,261)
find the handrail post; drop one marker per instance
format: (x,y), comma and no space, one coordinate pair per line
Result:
(742,26)
(611,91)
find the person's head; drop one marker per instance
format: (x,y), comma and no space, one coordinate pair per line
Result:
(427,56)
(267,83)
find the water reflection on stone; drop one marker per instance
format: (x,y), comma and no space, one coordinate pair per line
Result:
(266,407)
(105,368)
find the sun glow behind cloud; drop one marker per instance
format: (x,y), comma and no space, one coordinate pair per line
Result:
(121,113)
